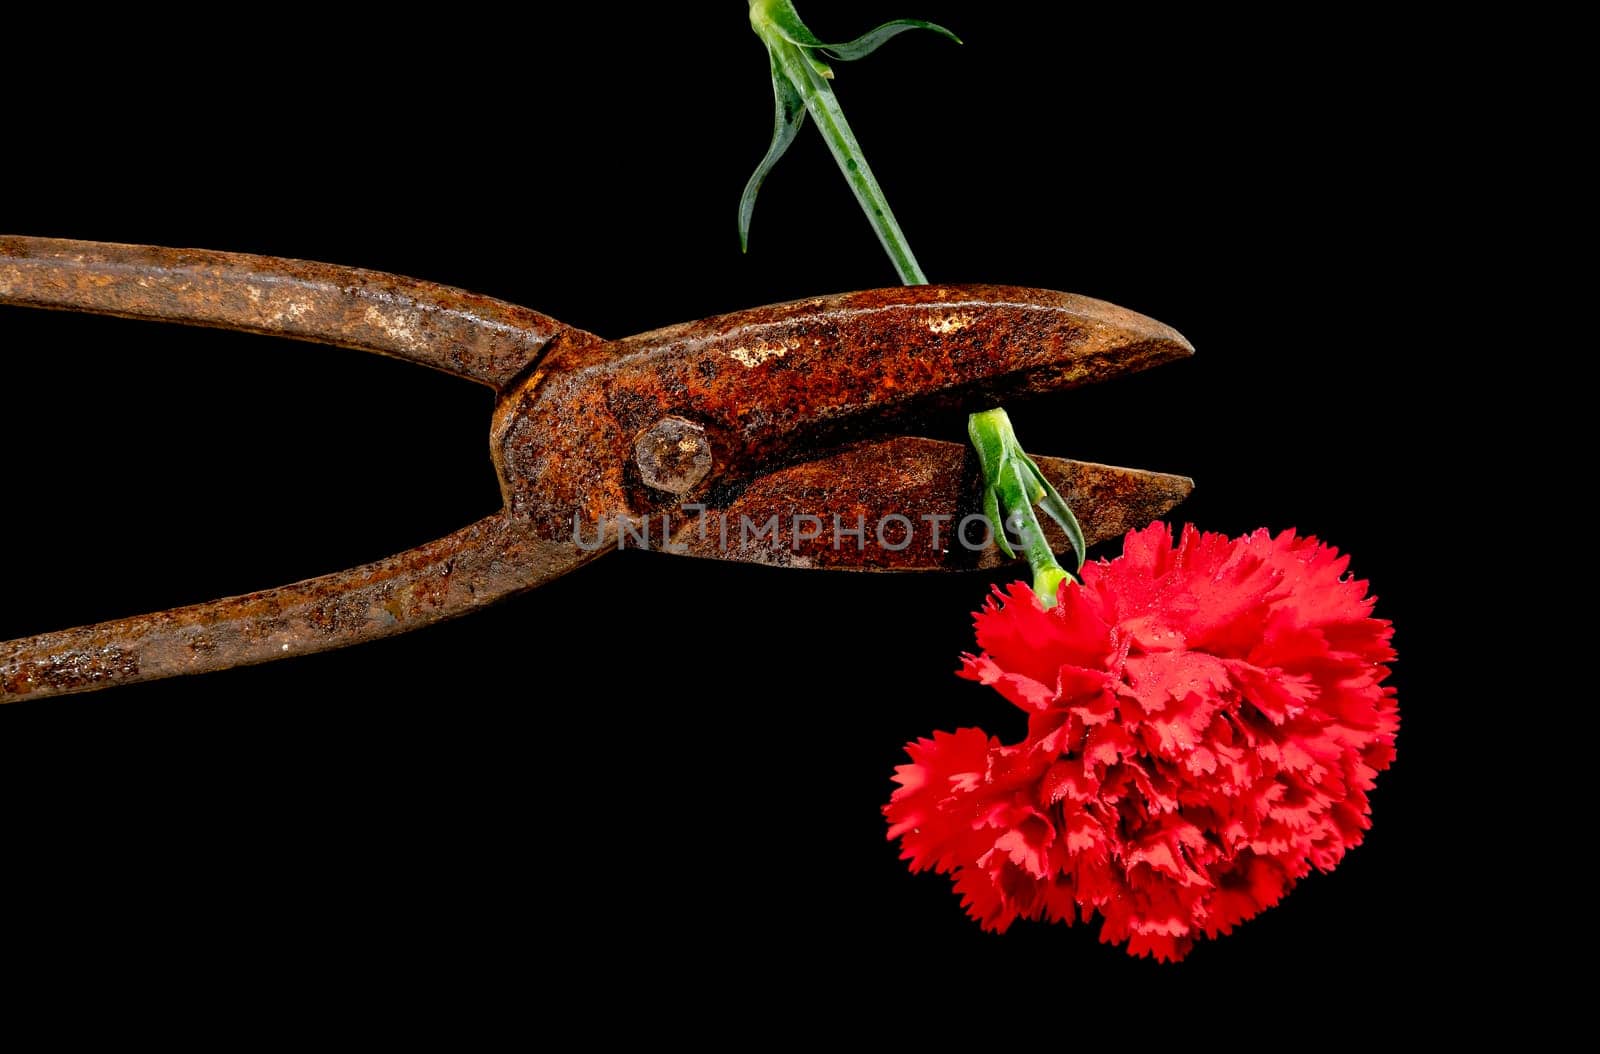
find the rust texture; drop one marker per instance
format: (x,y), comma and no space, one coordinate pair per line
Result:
(776,414)
(772,381)
(471,336)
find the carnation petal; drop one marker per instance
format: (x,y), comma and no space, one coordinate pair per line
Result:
(1024,691)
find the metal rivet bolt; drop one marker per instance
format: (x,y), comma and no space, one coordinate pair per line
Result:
(673,455)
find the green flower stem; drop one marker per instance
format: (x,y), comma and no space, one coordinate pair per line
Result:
(800,87)
(801,70)
(1014,485)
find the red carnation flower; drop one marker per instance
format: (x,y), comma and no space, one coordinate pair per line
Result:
(1204,724)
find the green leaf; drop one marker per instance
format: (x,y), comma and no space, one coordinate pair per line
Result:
(867,43)
(1058,510)
(991,509)
(788,115)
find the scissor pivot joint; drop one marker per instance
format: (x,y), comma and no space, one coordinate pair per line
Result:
(673,455)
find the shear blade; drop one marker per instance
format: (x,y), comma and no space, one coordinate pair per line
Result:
(900,504)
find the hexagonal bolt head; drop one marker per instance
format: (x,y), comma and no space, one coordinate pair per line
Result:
(673,455)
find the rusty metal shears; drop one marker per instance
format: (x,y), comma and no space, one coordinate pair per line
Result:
(756,436)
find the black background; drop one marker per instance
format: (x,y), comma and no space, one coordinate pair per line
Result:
(657,769)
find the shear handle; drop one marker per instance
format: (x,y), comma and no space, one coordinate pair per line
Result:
(477,565)
(475,337)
